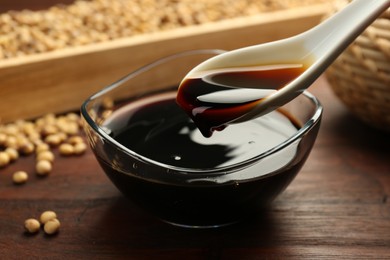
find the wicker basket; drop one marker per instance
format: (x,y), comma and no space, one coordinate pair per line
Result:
(360,77)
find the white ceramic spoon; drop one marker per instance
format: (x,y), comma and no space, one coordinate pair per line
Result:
(317,48)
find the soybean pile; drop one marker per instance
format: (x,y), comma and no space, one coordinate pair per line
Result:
(25,32)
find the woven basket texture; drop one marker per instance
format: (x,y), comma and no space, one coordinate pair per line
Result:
(360,77)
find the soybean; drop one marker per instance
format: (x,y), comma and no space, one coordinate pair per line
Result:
(32,225)
(43,167)
(86,22)
(47,215)
(20,177)
(12,153)
(66,149)
(4,159)
(52,226)
(46,156)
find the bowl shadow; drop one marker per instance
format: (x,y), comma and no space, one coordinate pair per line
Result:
(127,226)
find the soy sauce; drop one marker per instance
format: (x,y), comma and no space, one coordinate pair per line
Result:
(158,129)
(155,127)
(212,112)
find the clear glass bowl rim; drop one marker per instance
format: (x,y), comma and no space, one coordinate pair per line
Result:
(306,127)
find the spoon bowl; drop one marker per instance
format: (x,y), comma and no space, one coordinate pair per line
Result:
(314,50)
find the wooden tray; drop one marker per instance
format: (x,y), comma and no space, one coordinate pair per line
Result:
(60,81)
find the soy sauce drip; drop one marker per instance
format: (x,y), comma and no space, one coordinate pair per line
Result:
(215,98)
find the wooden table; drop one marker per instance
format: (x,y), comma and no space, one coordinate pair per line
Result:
(7,5)
(337,207)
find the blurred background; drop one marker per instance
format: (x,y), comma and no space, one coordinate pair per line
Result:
(56,53)
(7,5)
(360,77)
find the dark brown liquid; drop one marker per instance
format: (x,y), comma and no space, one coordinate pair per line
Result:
(158,129)
(216,114)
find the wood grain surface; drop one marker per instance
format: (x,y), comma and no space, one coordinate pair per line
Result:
(337,208)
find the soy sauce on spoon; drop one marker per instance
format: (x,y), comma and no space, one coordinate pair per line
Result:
(211,101)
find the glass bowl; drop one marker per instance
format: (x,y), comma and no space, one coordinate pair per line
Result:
(211,184)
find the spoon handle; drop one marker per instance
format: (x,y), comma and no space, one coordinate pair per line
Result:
(330,38)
